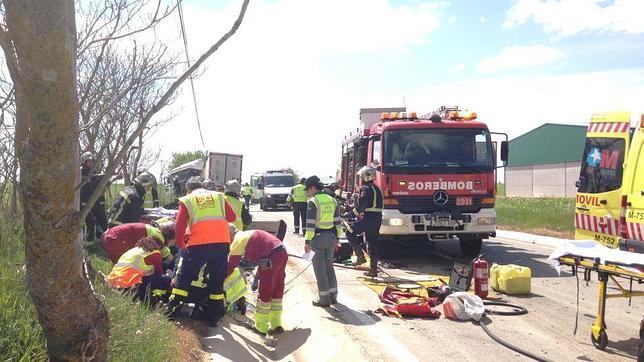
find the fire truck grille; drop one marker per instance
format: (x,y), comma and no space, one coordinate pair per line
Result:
(426,205)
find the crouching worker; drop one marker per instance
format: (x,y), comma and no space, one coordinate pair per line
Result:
(119,239)
(140,270)
(267,251)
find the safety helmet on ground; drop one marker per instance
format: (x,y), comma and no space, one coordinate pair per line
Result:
(86,156)
(232,186)
(146,179)
(193,183)
(313,181)
(303,180)
(367,174)
(209,184)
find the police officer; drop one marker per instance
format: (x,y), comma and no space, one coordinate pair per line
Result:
(369,218)
(90,179)
(207,214)
(247,192)
(323,229)
(232,189)
(298,198)
(128,206)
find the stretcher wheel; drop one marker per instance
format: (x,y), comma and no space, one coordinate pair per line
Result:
(602,342)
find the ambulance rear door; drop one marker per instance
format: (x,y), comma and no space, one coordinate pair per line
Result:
(634,192)
(599,188)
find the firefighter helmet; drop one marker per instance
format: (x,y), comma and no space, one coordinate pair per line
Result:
(367,174)
(233,186)
(86,156)
(209,184)
(146,180)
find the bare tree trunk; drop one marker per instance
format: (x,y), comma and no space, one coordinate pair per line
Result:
(42,38)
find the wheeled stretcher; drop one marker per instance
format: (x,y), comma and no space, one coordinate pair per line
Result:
(610,264)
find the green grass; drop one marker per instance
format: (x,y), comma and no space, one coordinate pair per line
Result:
(137,333)
(546,216)
(500,189)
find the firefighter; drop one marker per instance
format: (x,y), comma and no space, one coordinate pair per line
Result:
(128,206)
(298,198)
(207,214)
(368,212)
(232,189)
(247,193)
(141,268)
(119,239)
(154,193)
(96,220)
(267,251)
(323,231)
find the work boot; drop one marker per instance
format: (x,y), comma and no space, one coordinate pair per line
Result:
(297,231)
(359,260)
(317,303)
(215,311)
(371,274)
(275,331)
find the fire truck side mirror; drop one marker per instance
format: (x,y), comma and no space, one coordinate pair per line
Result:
(505,151)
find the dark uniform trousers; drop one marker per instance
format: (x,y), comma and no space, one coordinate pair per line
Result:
(299,215)
(369,226)
(215,258)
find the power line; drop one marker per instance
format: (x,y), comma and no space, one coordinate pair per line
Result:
(192,84)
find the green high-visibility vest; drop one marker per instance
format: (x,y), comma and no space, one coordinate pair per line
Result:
(325,205)
(237,206)
(299,193)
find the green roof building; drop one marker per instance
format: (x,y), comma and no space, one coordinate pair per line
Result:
(545,162)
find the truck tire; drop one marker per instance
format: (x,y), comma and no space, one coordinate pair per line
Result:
(262,206)
(471,247)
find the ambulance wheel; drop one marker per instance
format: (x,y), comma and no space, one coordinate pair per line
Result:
(471,246)
(602,342)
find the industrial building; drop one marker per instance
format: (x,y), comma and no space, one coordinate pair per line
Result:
(545,162)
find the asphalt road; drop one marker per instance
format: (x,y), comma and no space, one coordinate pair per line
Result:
(350,331)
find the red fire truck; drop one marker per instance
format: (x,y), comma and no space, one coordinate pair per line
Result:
(437,173)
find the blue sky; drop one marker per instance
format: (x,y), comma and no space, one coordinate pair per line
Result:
(298,71)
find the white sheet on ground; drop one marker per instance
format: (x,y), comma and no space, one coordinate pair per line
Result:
(592,249)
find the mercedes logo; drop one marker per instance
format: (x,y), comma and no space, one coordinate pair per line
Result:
(440,198)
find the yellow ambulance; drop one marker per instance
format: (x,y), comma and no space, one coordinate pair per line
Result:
(610,189)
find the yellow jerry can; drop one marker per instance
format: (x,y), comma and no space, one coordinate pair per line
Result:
(510,279)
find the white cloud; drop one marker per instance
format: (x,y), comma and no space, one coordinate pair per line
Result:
(451,19)
(456,68)
(519,57)
(568,17)
(268,92)
(520,103)
(483,19)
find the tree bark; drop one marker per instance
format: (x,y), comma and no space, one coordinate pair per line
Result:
(43,39)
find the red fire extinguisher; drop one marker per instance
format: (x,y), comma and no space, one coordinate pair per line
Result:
(479,266)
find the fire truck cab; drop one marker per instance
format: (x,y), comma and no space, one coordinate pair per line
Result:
(437,173)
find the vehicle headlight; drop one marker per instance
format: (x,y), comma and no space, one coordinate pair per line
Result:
(486,221)
(395,221)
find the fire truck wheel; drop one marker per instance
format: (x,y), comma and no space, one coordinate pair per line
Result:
(470,246)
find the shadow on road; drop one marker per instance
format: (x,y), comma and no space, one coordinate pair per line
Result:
(340,313)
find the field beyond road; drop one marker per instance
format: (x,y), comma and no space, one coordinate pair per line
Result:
(542,216)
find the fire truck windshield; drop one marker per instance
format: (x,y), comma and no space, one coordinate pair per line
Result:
(438,150)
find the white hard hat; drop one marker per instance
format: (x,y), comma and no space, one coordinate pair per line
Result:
(367,173)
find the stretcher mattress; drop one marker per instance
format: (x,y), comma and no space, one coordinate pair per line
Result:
(591,249)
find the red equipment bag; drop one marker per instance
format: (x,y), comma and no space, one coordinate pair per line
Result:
(400,304)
